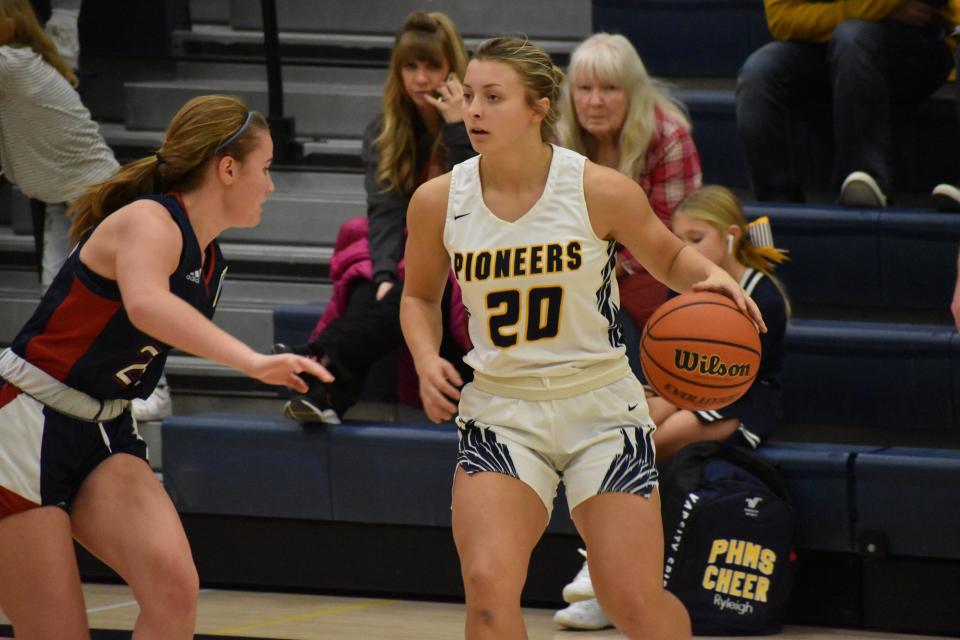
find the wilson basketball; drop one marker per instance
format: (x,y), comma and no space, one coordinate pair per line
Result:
(699,351)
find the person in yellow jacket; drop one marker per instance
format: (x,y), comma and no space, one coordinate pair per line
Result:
(858,56)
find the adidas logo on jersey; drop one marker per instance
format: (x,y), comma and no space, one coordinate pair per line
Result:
(194,276)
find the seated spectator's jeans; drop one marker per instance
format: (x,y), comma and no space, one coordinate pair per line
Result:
(862,69)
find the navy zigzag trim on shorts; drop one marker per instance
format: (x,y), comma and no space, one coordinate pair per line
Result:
(479,451)
(633,470)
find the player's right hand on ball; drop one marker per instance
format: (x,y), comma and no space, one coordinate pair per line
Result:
(439,388)
(284,369)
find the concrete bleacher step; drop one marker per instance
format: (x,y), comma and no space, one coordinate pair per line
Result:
(361,49)
(268,262)
(210,11)
(342,111)
(17,304)
(536,18)
(320,74)
(246,307)
(127,143)
(320,109)
(311,219)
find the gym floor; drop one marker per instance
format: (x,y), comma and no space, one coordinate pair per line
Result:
(286,616)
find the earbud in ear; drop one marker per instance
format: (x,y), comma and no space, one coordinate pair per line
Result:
(729,243)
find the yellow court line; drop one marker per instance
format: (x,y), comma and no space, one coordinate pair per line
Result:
(320,613)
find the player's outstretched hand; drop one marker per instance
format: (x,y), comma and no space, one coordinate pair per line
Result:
(720,282)
(284,369)
(439,388)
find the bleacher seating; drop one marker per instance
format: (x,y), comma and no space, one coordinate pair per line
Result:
(870,346)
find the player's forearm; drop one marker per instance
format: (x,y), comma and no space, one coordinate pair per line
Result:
(422,326)
(687,268)
(169,319)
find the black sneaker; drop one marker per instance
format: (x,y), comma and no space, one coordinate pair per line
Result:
(313,406)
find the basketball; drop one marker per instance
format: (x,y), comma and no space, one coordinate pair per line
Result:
(699,351)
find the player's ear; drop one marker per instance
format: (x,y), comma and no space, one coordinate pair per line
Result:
(541,107)
(227,169)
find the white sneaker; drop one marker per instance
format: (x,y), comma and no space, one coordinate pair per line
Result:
(585,614)
(580,588)
(62,29)
(157,406)
(946,197)
(861,191)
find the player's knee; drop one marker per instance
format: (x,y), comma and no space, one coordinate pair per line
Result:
(174,586)
(488,579)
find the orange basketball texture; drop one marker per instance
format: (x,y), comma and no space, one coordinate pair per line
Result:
(699,351)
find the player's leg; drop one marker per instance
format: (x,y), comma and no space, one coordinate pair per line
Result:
(624,537)
(497,520)
(123,516)
(39,580)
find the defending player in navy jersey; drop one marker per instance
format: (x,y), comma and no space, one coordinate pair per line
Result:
(531,230)
(144,278)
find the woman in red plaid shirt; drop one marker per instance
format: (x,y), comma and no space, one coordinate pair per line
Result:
(618,116)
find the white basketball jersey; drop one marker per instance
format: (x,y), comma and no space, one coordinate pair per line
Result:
(541,291)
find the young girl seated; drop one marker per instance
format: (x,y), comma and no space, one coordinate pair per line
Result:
(711,220)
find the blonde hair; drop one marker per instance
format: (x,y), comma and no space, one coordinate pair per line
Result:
(205,128)
(540,77)
(424,36)
(29,33)
(609,58)
(718,207)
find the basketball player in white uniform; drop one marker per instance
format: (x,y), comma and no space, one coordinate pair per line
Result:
(530,230)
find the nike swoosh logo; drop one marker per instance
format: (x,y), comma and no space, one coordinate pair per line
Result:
(631,407)
(462,215)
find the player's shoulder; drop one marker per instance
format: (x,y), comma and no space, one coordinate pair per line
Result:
(145,217)
(433,193)
(609,194)
(604,183)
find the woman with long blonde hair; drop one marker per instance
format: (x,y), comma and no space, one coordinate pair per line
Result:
(614,113)
(144,278)
(418,134)
(531,230)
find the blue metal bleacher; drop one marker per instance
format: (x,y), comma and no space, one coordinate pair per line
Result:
(908,496)
(877,375)
(246,465)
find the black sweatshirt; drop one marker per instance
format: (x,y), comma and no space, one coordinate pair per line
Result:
(387,209)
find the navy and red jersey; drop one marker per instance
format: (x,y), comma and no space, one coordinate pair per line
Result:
(80,333)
